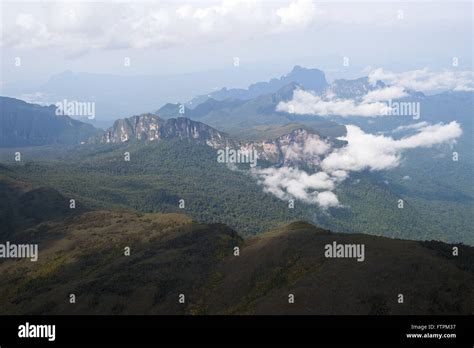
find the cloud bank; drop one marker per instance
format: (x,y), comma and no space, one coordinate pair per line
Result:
(292,183)
(378,102)
(306,103)
(384,94)
(424,80)
(83,25)
(379,152)
(364,151)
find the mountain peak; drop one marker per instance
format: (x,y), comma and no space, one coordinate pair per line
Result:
(307,78)
(297,68)
(286,92)
(150,127)
(25,124)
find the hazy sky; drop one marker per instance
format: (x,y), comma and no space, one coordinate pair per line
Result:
(268,37)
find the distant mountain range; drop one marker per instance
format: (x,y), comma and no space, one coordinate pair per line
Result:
(124,94)
(236,113)
(229,110)
(29,124)
(24,124)
(309,79)
(233,110)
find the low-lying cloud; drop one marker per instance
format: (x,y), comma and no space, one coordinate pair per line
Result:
(364,151)
(378,102)
(292,183)
(384,94)
(306,103)
(426,81)
(379,152)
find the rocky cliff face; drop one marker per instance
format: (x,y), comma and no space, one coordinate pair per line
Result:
(150,127)
(295,148)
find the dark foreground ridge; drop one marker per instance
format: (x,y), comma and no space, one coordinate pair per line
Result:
(172,255)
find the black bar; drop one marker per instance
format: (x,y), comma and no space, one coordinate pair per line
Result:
(224,330)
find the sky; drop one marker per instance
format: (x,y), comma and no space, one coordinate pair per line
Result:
(267,37)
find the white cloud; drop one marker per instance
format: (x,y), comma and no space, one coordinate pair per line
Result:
(83,26)
(412,126)
(307,148)
(299,13)
(384,94)
(423,80)
(378,102)
(34,33)
(306,103)
(378,152)
(287,183)
(430,135)
(363,151)
(327,199)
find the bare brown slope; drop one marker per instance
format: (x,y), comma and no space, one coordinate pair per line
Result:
(24,205)
(173,255)
(85,256)
(291,261)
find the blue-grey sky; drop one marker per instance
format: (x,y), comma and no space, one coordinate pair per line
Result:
(204,37)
